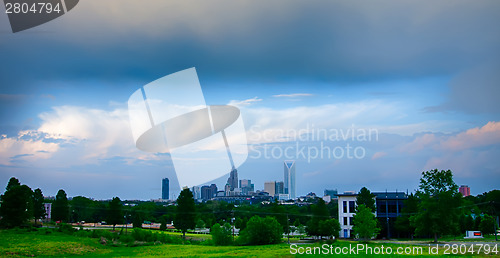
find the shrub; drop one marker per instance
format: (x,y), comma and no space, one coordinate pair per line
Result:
(221,235)
(262,231)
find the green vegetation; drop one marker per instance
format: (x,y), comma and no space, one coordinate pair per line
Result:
(186,211)
(261,231)
(221,235)
(115,214)
(438,211)
(365,223)
(366,198)
(60,207)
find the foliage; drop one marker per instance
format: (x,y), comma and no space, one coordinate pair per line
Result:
(115,213)
(320,213)
(437,211)
(60,207)
(221,235)
(261,231)
(17,204)
(365,223)
(186,212)
(403,224)
(366,198)
(38,207)
(328,228)
(487,225)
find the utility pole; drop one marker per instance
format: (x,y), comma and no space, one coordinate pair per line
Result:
(288,228)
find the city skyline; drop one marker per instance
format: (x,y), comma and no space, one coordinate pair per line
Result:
(407,87)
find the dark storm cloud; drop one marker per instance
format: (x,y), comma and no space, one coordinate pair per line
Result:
(249,41)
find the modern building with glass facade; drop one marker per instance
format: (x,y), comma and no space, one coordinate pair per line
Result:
(289,177)
(164,189)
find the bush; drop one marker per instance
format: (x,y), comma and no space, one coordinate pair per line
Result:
(221,235)
(261,231)
(66,228)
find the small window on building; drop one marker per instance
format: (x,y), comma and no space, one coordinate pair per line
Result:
(350,221)
(351,207)
(345,221)
(345,206)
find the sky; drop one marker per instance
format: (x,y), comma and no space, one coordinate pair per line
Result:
(420,77)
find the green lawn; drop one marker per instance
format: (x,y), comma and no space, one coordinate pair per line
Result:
(18,243)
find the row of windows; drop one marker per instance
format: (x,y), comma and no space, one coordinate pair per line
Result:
(352,206)
(345,221)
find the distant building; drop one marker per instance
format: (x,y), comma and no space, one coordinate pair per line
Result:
(246,186)
(48,211)
(388,208)
(279,188)
(464,190)
(331,193)
(232,181)
(164,188)
(208,192)
(270,187)
(289,177)
(196,192)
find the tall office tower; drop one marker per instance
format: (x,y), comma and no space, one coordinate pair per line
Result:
(290,178)
(280,188)
(232,181)
(464,190)
(164,188)
(196,192)
(270,187)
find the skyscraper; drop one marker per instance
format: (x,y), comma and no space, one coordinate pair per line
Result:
(270,187)
(464,190)
(290,178)
(164,189)
(232,181)
(280,187)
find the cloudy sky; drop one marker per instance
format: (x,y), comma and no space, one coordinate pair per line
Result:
(423,75)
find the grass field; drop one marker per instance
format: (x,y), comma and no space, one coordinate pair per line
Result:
(17,243)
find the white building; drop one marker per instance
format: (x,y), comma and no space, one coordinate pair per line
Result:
(347,209)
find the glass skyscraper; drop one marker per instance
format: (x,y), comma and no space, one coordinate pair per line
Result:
(290,178)
(164,189)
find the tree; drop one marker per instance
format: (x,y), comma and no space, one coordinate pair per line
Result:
(17,204)
(328,228)
(262,231)
(115,213)
(487,225)
(38,207)
(365,223)
(320,213)
(438,211)
(60,207)
(221,235)
(137,219)
(409,209)
(82,208)
(186,212)
(366,198)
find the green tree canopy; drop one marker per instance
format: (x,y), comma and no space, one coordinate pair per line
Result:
(38,206)
(186,212)
(221,235)
(60,207)
(17,204)
(262,231)
(366,198)
(115,213)
(365,223)
(438,211)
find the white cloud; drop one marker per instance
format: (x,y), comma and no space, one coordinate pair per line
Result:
(243,103)
(294,95)
(26,146)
